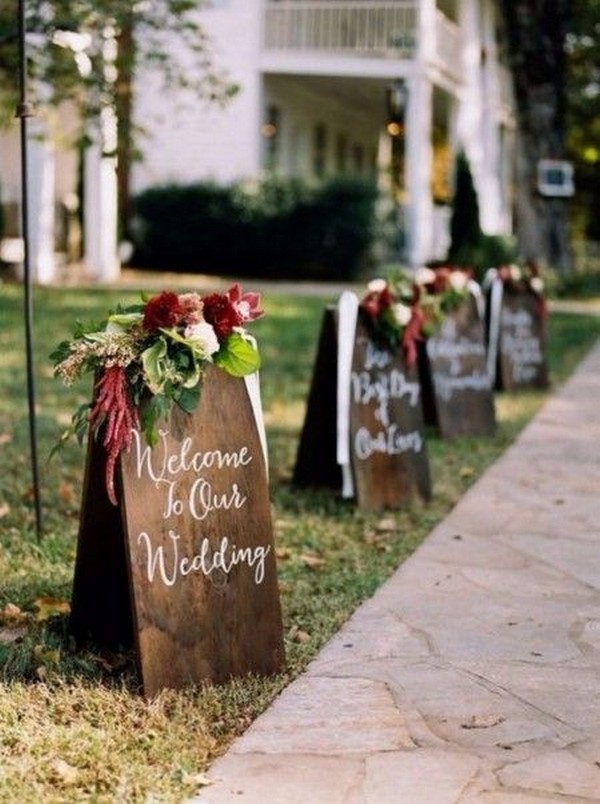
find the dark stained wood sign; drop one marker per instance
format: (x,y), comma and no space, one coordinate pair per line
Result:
(387,439)
(316,457)
(522,343)
(455,358)
(189,548)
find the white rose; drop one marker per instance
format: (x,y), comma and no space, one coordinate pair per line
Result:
(204,336)
(537,284)
(424,276)
(458,280)
(377,285)
(402,314)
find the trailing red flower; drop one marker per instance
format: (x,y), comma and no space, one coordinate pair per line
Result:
(113,409)
(413,333)
(163,311)
(220,311)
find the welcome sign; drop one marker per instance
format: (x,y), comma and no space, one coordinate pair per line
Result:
(198,545)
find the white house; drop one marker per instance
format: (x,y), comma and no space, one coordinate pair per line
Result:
(383,88)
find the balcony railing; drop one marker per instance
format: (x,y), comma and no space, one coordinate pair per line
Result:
(348,27)
(448,44)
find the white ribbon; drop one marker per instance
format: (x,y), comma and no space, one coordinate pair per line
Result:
(475,290)
(253,387)
(347,317)
(496,291)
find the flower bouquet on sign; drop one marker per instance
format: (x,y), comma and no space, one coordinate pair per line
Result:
(148,356)
(526,279)
(393,315)
(446,286)
(406,308)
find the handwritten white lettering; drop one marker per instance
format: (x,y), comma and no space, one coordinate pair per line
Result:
(389,441)
(158,463)
(164,563)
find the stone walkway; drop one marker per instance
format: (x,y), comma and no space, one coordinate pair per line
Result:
(473,675)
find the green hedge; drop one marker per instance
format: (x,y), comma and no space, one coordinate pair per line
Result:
(278,229)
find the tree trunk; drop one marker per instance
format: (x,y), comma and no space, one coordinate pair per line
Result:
(536,32)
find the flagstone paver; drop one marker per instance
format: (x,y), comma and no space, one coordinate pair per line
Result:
(473,675)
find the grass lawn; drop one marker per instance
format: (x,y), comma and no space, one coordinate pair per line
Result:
(73,726)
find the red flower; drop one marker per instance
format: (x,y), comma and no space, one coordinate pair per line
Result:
(247,305)
(113,409)
(376,301)
(412,334)
(220,311)
(163,310)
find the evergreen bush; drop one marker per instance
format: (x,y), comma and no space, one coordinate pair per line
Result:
(278,228)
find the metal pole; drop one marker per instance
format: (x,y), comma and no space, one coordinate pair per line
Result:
(25,110)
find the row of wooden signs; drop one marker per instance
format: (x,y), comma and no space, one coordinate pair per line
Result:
(183,569)
(451,387)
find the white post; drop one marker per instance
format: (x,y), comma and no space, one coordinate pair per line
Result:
(40,218)
(100,182)
(419,151)
(100,203)
(419,166)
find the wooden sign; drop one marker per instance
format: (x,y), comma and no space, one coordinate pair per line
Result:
(522,343)
(387,442)
(184,567)
(316,457)
(461,387)
(388,451)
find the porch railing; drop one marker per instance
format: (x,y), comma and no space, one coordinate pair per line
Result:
(448,44)
(350,27)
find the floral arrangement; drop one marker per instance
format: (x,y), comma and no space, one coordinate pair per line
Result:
(404,309)
(522,279)
(149,355)
(526,279)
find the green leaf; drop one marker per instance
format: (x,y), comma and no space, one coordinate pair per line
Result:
(189,397)
(153,361)
(124,320)
(238,356)
(154,409)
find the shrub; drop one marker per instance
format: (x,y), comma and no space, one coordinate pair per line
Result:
(469,246)
(279,228)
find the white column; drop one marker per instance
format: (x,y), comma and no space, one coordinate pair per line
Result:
(100,202)
(478,117)
(419,166)
(40,218)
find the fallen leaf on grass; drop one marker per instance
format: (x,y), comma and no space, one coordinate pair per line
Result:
(4,509)
(466,472)
(387,525)
(5,438)
(312,560)
(195,779)
(12,615)
(64,772)
(296,634)
(8,635)
(66,493)
(283,552)
(49,607)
